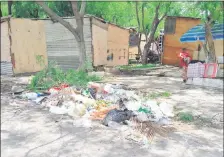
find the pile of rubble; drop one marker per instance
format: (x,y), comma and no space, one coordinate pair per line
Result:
(109,104)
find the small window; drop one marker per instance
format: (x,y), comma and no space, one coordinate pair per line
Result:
(170,25)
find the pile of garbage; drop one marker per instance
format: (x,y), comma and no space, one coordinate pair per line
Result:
(110,104)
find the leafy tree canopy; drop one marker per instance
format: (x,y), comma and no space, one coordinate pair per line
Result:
(121,13)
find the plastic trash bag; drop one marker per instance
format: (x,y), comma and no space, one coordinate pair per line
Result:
(118,116)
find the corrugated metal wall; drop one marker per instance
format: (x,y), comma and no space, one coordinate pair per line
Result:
(62,46)
(6,68)
(6,65)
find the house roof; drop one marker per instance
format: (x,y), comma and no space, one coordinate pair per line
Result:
(184,17)
(71,17)
(85,16)
(104,21)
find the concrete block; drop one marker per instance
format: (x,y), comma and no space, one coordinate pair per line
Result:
(206,82)
(220,73)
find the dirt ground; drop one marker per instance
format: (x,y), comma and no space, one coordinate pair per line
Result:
(27,130)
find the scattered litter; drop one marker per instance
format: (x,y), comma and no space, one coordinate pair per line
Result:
(101,114)
(108,89)
(156,112)
(92,92)
(133,105)
(100,104)
(32,95)
(117,116)
(143,109)
(112,105)
(53,91)
(96,86)
(39,100)
(62,86)
(142,117)
(167,109)
(75,109)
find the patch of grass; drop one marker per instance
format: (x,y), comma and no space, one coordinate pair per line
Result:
(137,66)
(54,76)
(157,95)
(166,94)
(185,117)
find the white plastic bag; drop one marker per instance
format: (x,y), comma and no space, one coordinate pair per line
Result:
(155,109)
(167,109)
(133,105)
(76,110)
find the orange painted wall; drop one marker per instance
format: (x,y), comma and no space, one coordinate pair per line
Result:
(172,44)
(118,45)
(109,39)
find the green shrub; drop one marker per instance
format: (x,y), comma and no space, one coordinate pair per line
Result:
(185,117)
(55,76)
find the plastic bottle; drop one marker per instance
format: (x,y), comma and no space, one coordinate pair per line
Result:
(32,96)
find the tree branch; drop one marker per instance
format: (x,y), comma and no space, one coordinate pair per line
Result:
(75,8)
(143,16)
(157,11)
(136,9)
(157,7)
(164,15)
(83,8)
(143,24)
(57,18)
(10,7)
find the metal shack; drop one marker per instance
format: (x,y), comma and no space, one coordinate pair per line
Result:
(23,41)
(106,44)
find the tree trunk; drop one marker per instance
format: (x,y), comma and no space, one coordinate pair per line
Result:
(79,17)
(82,47)
(208,37)
(140,35)
(77,32)
(82,57)
(149,41)
(0,10)
(139,44)
(9,7)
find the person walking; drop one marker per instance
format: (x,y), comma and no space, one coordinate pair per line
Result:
(185,59)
